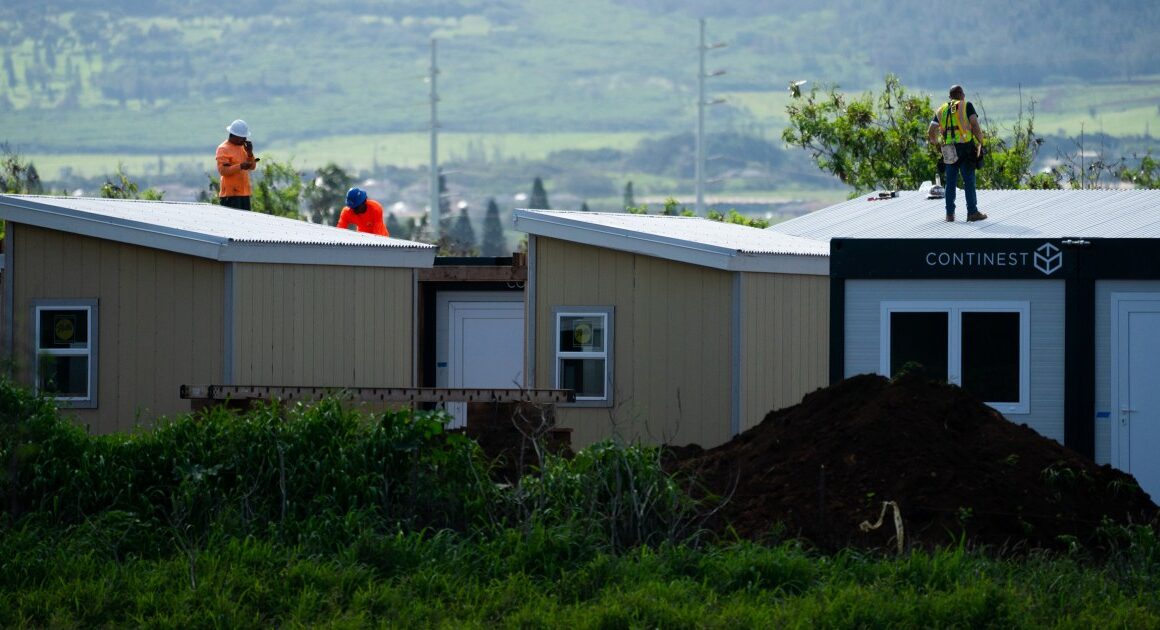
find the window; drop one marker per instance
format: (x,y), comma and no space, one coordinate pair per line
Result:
(983,347)
(583,361)
(66,351)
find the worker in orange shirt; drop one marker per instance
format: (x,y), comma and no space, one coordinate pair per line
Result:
(365,214)
(235,160)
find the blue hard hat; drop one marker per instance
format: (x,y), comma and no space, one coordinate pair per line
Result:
(355,197)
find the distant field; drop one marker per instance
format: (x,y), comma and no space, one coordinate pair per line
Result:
(352,152)
(1118,109)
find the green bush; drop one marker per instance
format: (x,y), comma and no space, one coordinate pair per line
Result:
(620,494)
(317,475)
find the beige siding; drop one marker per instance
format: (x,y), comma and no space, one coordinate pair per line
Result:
(159,317)
(323,325)
(672,342)
(785,349)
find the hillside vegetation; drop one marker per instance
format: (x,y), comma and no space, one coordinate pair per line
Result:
(122,75)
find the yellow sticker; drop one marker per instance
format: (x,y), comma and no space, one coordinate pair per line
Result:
(582,334)
(64,328)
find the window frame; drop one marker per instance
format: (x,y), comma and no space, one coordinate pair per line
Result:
(90,352)
(605,313)
(955,310)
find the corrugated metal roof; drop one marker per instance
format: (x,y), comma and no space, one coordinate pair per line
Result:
(1011,214)
(211,231)
(692,240)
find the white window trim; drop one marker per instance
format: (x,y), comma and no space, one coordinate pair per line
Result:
(38,306)
(954,310)
(606,314)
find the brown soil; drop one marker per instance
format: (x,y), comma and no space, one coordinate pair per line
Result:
(955,467)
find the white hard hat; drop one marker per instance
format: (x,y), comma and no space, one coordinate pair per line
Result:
(239,128)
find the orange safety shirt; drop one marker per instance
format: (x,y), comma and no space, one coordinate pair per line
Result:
(369,221)
(235,181)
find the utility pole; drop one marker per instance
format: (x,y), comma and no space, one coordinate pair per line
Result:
(701,103)
(436,220)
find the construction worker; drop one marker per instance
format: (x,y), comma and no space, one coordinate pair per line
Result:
(365,214)
(955,131)
(235,160)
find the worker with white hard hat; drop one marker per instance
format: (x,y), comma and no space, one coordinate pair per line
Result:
(235,160)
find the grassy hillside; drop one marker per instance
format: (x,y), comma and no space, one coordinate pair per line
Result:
(87,85)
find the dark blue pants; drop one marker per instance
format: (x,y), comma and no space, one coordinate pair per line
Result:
(967,168)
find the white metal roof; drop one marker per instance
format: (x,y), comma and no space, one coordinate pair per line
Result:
(692,240)
(1010,214)
(210,231)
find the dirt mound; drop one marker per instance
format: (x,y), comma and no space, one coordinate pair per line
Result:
(953,465)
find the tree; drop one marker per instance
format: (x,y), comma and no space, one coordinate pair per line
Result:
(874,143)
(868,143)
(278,190)
(325,195)
(444,207)
(121,187)
(18,176)
(738,219)
(1009,162)
(396,228)
(672,208)
(584,207)
(539,198)
(494,242)
(1147,175)
(461,240)
(629,198)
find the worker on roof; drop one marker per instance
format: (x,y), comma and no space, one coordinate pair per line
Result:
(235,160)
(363,213)
(955,131)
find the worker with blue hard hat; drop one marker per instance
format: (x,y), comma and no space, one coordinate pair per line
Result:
(362,213)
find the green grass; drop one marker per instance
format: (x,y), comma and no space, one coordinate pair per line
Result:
(322,516)
(445,581)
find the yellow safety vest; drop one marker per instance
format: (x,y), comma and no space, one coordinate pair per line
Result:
(953,123)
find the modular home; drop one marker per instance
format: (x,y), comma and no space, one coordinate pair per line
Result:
(110,306)
(670,329)
(1049,310)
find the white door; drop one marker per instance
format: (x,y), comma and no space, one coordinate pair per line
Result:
(485,348)
(1135,373)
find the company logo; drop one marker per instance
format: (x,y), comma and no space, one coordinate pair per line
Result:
(1048,258)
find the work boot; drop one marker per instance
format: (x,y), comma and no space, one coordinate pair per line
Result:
(976,216)
(950,218)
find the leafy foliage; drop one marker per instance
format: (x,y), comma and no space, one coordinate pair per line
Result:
(621,496)
(121,187)
(869,143)
(323,516)
(739,219)
(1145,175)
(17,175)
(277,189)
(325,194)
(881,143)
(271,470)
